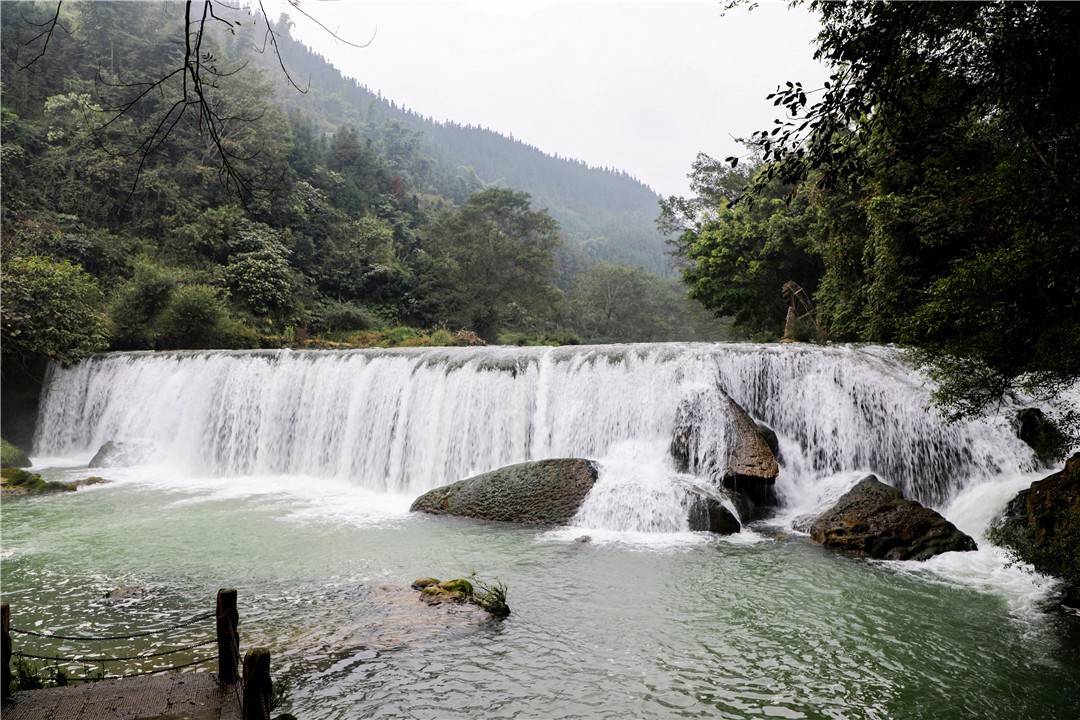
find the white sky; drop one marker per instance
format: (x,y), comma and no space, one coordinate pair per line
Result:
(641,86)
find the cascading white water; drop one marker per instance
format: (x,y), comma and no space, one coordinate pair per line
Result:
(405,421)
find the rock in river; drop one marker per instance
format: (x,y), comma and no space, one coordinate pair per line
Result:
(123,454)
(1042,526)
(716,439)
(875,520)
(544,492)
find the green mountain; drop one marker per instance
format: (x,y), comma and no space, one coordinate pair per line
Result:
(604,213)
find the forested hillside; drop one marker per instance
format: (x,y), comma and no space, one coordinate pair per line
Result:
(604,213)
(145,210)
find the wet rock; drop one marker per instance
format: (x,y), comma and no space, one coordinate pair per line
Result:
(545,492)
(716,439)
(1041,525)
(706,508)
(123,454)
(1044,437)
(770,438)
(421,583)
(12,455)
(803,523)
(126,592)
(15,481)
(875,520)
(92,480)
(583,539)
(710,515)
(490,598)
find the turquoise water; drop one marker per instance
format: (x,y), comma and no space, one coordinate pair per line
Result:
(762,625)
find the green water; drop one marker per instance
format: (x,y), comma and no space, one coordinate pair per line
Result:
(712,628)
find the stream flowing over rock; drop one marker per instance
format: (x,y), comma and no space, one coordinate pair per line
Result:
(122,454)
(715,438)
(545,492)
(1042,526)
(404,421)
(875,520)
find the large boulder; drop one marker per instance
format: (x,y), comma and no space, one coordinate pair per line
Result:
(545,492)
(1041,525)
(875,520)
(123,454)
(716,438)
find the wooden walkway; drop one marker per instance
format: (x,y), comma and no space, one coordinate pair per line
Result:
(168,696)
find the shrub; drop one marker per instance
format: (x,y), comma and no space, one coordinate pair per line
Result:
(344,317)
(51,309)
(196,317)
(263,280)
(137,304)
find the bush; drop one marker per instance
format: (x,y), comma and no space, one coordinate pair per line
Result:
(51,309)
(196,317)
(263,280)
(344,317)
(137,304)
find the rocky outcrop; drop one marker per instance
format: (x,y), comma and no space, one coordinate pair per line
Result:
(545,492)
(715,438)
(875,520)
(1041,525)
(12,455)
(1041,434)
(123,454)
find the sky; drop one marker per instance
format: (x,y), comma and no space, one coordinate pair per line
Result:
(640,86)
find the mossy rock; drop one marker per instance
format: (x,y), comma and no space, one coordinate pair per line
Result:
(21,482)
(459,590)
(545,492)
(453,591)
(12,455)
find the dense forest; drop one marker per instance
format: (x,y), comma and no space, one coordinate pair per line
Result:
(925,195)
(275,214)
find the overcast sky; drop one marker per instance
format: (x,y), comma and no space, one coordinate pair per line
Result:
(641,86)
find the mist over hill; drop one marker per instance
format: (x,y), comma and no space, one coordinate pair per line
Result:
(604,213)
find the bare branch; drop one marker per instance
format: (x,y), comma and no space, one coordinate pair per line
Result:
(296,5)
(47,33)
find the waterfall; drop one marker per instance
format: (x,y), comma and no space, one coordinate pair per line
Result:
(407,420)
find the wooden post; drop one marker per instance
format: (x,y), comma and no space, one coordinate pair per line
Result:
(228,636)
(258,685)
(5,631)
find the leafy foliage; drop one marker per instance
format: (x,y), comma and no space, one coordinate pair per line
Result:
(357,215)
(52,309)
(931,188)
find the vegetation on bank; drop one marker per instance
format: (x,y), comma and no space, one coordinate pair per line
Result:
(925,195)
(345,227)
(12,455)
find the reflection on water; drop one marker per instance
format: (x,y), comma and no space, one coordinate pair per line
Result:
(702,628)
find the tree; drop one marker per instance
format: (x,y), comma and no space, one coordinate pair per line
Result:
(737,257)
(944,155)
(493,263)
(52,311)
